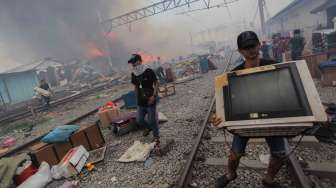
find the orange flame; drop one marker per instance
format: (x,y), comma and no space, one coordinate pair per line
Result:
(93,51)
(147,58)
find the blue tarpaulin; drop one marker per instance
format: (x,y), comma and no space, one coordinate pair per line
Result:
(327,64)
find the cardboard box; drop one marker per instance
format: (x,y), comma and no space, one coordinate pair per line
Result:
(79,138)
(62,149)
(89,136)
(96,139)
(107,115)
(328,77)
(167,90)
(74,161)
(47,153)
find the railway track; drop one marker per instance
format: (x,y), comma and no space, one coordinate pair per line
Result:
(28,112)
(22,147)
(195,159)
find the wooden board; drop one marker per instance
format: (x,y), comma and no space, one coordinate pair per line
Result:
(305,140)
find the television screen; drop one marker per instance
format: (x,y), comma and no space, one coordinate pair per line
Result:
(270,94)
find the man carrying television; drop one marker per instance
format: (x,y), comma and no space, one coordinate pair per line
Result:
(249,47)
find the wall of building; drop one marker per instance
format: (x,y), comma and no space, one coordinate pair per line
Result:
(18,87)
(299,17)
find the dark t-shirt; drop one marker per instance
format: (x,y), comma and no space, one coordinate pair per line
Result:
(263,62)
(45,86)
(297,44)
(144,83)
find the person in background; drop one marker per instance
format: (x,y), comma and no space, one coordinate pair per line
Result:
(146,88)
(277,52)
(297,44)
(159,71)
(44,85)
(249,47)
(265,49)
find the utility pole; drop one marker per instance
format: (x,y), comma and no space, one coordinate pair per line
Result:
(191,43)
(107,47)
(262,16)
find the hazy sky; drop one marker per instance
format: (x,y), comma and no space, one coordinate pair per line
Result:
(64,29)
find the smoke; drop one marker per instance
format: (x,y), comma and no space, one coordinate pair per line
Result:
(48,28)
(70,29)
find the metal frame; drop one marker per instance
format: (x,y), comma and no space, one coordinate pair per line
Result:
(152,10)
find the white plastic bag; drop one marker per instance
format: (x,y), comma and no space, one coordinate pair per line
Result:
(137,152)
(40,179)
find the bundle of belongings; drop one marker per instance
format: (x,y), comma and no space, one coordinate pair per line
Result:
(62,153)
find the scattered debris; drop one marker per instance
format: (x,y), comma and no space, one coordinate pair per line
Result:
(40,179)
(162,118)
(115,143)
(8,167)
(74,161)
(97,155)
(69,184)
(264,158)
(193,184)
(137,152)
(114,179)
(148,163)
(8,141)
(89,167)
(23,172)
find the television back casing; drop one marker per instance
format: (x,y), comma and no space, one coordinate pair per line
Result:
(259,127)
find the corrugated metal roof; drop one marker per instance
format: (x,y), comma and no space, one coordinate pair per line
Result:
(291,5)
(32,66)
(324,6)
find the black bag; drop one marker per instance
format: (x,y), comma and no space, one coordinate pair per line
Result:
(144,93)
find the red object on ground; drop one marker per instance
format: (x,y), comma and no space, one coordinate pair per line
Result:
(8,141)
(25,174)
(110,104)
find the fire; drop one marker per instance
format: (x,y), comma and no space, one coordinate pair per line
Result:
(93,51)
(147,58)
(112,36)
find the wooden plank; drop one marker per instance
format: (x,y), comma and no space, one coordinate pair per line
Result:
(325,170)
(305,139)
(244,163)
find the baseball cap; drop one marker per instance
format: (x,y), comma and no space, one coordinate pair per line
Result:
(134,58)
(247,39)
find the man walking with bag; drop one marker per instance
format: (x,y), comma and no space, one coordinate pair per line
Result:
(146,89)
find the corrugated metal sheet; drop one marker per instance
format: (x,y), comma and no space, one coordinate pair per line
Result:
(20,85)
(3,92)
(39,65)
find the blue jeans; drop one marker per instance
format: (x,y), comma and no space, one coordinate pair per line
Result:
(152,119)
(276,145)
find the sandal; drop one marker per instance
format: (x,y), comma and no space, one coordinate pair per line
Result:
(157,148)
(223,181)
(146,132)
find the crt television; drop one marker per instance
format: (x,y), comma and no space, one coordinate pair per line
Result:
(278,94)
